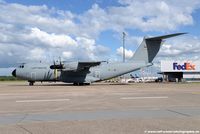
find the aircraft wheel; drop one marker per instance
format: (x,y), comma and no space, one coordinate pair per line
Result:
(87,83)
(75,84)
(31,83)
(80,84)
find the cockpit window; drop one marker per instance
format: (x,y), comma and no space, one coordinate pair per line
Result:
(21,66)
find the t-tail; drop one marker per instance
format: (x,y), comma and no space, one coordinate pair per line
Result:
(149,48)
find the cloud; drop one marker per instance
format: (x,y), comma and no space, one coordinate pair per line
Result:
(128,53)
(87,49)
(132,14)
(32,33)
(11,54)
(45,18)
(36,54)
(186,46)
(52,39)
(67,54)
(36,45)
(143,15)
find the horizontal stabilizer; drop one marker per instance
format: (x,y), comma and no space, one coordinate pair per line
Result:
(165,36)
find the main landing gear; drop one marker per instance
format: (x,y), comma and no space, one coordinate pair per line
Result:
(80,84)
(31,83)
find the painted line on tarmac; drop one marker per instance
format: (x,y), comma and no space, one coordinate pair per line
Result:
(195,92)
(21,94)
(52,100)
(137,98)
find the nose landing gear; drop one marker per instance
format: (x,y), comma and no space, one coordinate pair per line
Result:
(31,83)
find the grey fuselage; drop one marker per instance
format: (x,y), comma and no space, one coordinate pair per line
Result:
(42,72)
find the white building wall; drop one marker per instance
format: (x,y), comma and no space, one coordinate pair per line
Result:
(180,66)
(191,76)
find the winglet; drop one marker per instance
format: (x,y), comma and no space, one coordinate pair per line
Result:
(165,36)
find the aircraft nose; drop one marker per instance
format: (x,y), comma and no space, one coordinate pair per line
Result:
(14,73)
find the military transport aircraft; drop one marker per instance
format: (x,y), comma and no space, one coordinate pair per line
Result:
(84,73)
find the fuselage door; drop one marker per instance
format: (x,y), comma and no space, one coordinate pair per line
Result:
(33,75)
(97,74)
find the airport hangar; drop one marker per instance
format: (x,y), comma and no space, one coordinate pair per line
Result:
(180,71)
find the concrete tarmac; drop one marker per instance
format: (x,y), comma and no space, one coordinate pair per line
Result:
(58,108)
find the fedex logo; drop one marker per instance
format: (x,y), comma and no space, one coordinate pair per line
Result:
(185,66)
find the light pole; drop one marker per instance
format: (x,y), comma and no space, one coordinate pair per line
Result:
(124,58)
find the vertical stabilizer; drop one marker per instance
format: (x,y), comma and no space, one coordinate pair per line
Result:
(150,47)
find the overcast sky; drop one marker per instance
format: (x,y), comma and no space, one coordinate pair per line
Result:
(43,30)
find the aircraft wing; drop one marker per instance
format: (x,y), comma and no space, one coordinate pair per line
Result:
(87,65)
(80,66)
